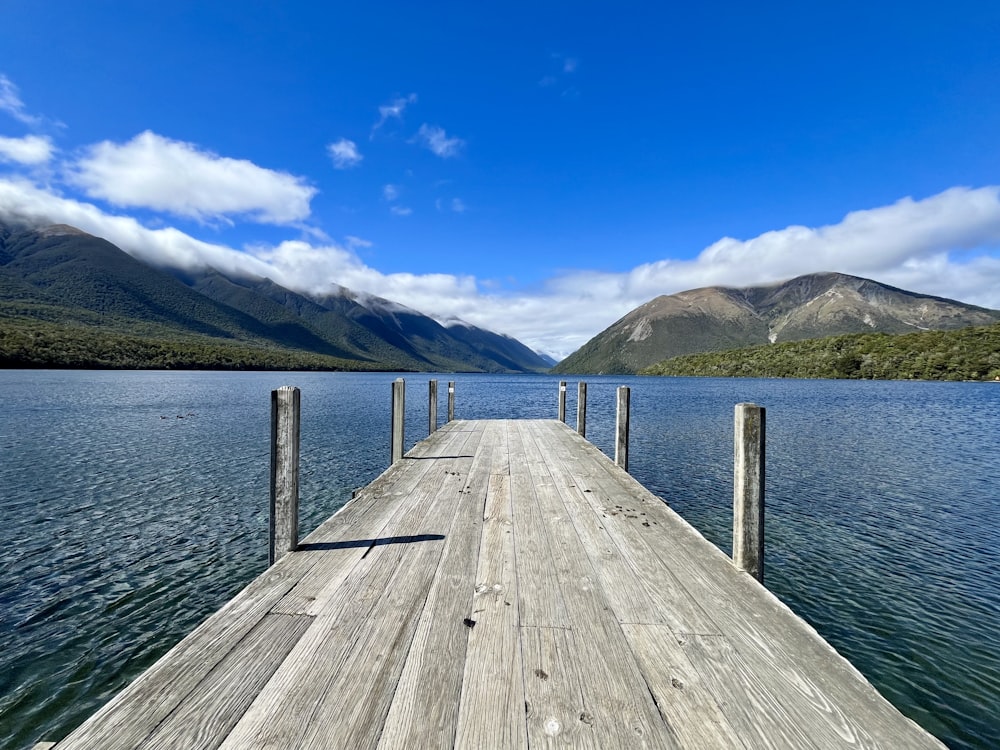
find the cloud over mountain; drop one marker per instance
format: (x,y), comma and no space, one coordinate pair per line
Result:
(914,244)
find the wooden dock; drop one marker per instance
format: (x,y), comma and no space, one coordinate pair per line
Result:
(504,585)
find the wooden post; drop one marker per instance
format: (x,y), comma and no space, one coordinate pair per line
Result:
(398,419)
(451,400)
(621,426)
(748,490)
(284,526)
(432,407)
(581,408)
(562,400)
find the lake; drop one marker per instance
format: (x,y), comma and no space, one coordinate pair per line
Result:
(135,505)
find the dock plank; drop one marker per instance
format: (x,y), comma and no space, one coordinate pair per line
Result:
(540,601)
(491,708)
(354,649)
(554,691)
(424,710)
(131,716)
(504,585)
(616,697)
(764,637)
(206,716)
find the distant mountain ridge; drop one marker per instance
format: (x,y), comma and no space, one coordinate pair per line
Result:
(63,275)
(719,318)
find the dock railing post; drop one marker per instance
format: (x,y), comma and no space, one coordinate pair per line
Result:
(432,407)
(451,400)
(621,426)
(398,419)
(562,400)
(748,490)
(284,525)
(581,408)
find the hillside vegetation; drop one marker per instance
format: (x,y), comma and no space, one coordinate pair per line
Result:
(966,354)
(42,344)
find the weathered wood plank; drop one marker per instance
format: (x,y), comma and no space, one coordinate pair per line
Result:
(209,712)
(539,598)
(617,699)
(745,695)
(632,523)
(334,689)
(424,710)
(491,708)
(362,524)
(353,713)
(136,711)
(762,631)
(679,689)
(554,687)
(632,598)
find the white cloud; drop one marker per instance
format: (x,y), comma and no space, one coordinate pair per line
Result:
(435,139)
(570,64)
(400,210)
(457,205)
(390,192)
(10,102)
(31,149)
(151,171)
(355,242)
(344,154)
(392,111)
(947,244)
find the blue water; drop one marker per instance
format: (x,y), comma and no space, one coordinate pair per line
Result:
(134,504)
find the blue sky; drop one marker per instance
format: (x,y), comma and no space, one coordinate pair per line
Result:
(536,168)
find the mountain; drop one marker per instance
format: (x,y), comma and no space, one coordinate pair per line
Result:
(367,327)
(62,276)
(720,318)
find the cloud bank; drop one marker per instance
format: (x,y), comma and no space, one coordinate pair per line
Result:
(945,244)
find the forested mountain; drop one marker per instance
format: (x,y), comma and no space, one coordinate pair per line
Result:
(58,280)
(721,318)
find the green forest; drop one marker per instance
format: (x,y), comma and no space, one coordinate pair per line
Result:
(41,344)
(964,354)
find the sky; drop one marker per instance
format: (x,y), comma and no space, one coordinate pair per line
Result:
(539,169)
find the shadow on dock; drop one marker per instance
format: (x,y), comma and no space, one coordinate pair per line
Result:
(351,543)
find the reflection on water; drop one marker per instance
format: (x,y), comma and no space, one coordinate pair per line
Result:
(135,504)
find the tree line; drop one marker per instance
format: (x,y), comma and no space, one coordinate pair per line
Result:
(965,354)
(40,344)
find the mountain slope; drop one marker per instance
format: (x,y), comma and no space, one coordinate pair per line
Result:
(721,318)
(69,271)
(62,276)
